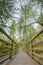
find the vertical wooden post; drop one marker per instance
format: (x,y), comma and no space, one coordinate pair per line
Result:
(11,50)
(15,49)
(32,48)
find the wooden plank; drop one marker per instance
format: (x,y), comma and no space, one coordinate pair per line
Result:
(41,41)
(37,49)
(39,61)
(4,58)
(38,55)
(7,43)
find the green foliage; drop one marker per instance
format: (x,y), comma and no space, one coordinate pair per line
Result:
(12,28)
(25,31)
(5,10)
(39,1)
(4,49)
(1,36)
(25,11)
(40,19)
(20,24)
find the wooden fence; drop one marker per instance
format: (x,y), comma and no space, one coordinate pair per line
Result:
(35,48)
(13,46)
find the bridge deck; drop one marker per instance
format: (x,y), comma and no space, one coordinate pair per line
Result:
(22,59)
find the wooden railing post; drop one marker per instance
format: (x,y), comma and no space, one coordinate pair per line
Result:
(7,43)
(32,48)
(15,49)
(11,50)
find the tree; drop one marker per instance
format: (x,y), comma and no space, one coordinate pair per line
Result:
(40,19)
(12,29)
(39,3)
(6,7)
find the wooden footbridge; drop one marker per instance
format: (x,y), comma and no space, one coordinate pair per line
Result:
(18,56)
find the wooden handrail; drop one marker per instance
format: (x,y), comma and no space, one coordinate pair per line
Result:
(38,49)
(36,35)
(36,54)
(3,31)
(7,43)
